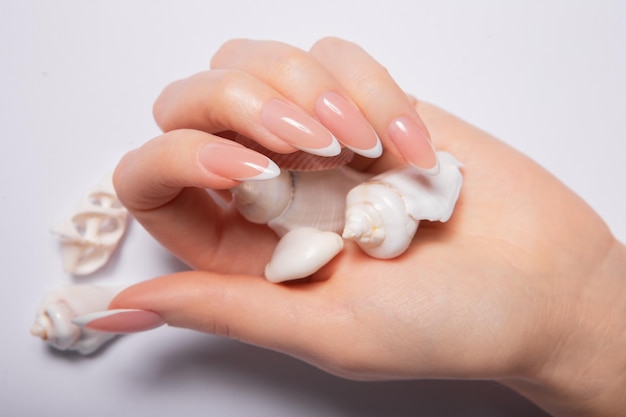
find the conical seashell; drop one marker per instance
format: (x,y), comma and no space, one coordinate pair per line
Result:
(89,237)
(53,322)
(383,213)
(302,252)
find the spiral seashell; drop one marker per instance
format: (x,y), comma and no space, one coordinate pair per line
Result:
(89,237)
(383,213)
(53,321)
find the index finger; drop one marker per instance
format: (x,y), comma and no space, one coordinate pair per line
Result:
(163,184)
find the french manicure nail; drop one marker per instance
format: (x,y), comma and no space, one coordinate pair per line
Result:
(414,145)
(236,162)
(297,128)
(348,124)
(119,321)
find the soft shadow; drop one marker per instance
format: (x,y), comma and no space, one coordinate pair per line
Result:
(245,365)
(73,356)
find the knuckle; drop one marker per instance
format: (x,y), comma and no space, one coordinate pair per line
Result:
(226,52)
(291,64)
(328,44)
(371,81)
(226,82)
(119,179)
(161,109)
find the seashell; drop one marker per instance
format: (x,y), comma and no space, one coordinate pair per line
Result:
(298,199)
(53,321)
(294,201)
(300,253)
(383,213)
(380,214)
(89,237)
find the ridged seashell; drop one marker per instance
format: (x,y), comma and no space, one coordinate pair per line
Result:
(383,213)
(299,160)
(53,322)
(89,237)
(298,199)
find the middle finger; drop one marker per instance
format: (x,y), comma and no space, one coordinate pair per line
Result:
(299,77)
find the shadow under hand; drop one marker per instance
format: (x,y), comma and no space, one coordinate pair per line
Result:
(252,369)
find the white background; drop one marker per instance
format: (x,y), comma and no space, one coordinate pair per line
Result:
(77,80)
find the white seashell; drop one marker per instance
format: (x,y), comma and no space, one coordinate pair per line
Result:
(53,322)
(298,199)
(89,237)
(307,203)
(383,213)
(302,252)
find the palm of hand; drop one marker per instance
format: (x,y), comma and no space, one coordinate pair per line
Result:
(465,300)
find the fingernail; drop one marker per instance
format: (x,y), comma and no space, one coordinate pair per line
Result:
(119,321)
(299,129)
(348,124)
(414,145)
(236,162)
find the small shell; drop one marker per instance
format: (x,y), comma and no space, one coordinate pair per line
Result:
(383,214)
(302,252)
(298,199)
(53,322)
(377,219)
(89,237)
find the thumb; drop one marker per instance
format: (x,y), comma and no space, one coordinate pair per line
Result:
(242,307)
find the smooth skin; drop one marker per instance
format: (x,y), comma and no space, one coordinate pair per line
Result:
(524,285)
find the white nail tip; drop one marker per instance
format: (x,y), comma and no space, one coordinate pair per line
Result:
(85,319)
(435,170)
(333,149)
(265,173)
(373,153)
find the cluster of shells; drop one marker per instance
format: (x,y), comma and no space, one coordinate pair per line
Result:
(88,239)
(314,211)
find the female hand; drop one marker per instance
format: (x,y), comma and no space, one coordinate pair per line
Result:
(523,285)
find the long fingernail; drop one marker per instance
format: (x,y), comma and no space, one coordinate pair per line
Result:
(119,321)
(297,128)
(348,124)
(414,145)
(236,162)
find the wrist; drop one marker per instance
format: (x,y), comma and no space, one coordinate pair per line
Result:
(584,372)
